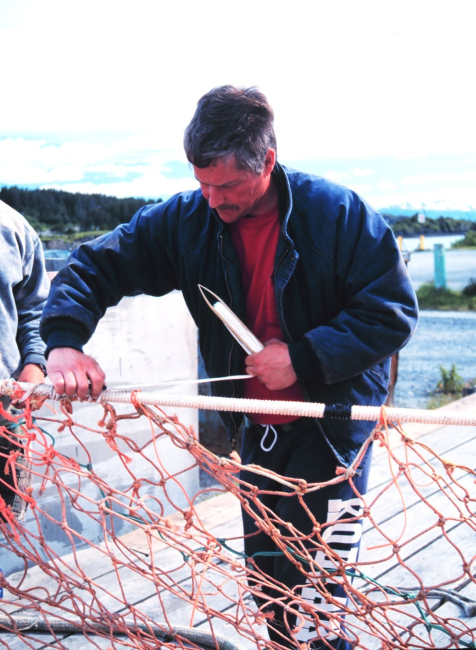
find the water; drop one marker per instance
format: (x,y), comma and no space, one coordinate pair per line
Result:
(55,258)
(413,243)
(56,254)
(460,267)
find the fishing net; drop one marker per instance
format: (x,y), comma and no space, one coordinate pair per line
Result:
(166,567)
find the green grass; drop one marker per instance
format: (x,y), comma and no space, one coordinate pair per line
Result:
(469,240)
(72,237)
(438,400)
(444,299)
(450,387)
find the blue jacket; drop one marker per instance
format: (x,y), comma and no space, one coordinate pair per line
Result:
(344,297)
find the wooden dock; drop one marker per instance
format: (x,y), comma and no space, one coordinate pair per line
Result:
(436,556)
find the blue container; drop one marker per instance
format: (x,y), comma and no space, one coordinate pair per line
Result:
(440,266)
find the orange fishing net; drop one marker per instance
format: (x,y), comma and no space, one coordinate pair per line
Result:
(179,577)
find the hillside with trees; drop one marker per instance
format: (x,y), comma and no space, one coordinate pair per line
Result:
(410,226)
(64,212)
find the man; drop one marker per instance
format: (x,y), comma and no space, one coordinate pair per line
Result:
(24,288)
(307,265)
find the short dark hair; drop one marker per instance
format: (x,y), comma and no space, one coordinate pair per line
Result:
(231,123)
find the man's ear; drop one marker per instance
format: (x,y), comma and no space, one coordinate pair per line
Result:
(269,161)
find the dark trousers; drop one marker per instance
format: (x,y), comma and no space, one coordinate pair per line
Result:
(302,453)
(15,477)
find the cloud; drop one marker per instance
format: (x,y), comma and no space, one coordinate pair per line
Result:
(128,75)
(420,179)
(336,177)
(360,188)
(385,185)
(363,172)
(132,166)
(458,198)
(147,188)
(136,165)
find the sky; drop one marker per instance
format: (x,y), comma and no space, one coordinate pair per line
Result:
(376,95)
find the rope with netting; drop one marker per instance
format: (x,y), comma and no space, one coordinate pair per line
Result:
(185,563)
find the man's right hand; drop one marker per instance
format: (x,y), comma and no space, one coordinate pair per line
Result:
(74,373)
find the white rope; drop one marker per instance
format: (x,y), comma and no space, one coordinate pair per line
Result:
(267,429)
(176,382)
(297,409)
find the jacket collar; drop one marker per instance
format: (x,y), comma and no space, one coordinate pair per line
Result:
(285,200)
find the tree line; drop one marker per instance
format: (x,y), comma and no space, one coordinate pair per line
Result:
(409,226)
(67,212)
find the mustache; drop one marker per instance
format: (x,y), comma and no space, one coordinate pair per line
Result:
(227,206)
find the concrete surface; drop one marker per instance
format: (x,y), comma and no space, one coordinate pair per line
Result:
(143,339)
(442,338)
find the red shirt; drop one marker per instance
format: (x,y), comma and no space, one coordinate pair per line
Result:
(256,240)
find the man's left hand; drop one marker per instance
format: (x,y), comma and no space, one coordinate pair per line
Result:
(32,374)
(272,365)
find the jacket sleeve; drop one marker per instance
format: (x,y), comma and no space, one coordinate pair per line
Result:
(133,259)
(30,298)
(379,308)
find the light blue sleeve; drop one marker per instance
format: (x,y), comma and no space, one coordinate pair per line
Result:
(30,298)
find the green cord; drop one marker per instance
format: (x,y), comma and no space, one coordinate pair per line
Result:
(355,572)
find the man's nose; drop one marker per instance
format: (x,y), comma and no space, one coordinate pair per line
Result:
(214,197)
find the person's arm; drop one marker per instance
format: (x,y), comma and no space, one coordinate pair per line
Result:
(132,260)
(30,298)
(378,317)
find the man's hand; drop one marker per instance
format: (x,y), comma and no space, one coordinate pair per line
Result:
(74,373)
(31,374)
(272,365)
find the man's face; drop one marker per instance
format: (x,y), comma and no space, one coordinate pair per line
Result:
(233,193)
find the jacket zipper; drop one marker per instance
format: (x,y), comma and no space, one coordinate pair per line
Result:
(233,440)
(286,331)
(283,323)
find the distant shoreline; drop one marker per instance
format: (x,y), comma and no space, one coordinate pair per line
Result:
(419,224)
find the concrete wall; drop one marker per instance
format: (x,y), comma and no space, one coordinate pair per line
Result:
(142,340)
